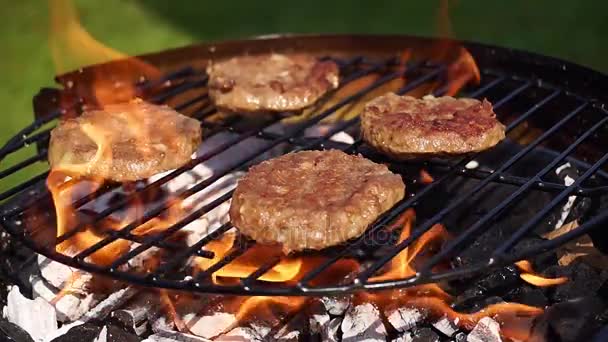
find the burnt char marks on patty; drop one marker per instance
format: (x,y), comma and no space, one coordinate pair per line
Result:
(270,82)
(313,199)
(404,127)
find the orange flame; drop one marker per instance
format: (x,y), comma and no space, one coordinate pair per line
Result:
(72,47)
(425,177)
(529,276)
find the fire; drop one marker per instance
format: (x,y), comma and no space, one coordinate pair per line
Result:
(72,47)
(425,177)
(529,276)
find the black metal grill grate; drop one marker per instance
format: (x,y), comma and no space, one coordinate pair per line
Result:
(517,101)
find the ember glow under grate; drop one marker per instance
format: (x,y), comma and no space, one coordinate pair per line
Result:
(548,125)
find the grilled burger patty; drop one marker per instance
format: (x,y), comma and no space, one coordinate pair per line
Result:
(313,199)
(406,127)
(270,82)
(124,142)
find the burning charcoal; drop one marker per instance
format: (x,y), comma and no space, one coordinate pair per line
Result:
(486,330)
(404,319)
(539,262)
(69,306)
(211,325)
(21,311)
(363,322)
(572,320)
(241,334)
(293,331)
(318,318)
(133,316)
(116,334)
(82,333)
(407,337)
(336,305)
(424,335)
(582,280)
(527,295)
(10,332)
(460,337)
(446,326)
(61,276)
(165,332)
(495,284)
(331,331)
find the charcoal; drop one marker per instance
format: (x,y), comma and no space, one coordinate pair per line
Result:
(459,337)
(424,335)
(497,283)
(446,326)
(527,295)
(86,332)
(573,320)
(486,330)
(10,332)
(582,280)
(539,262)
(116,334)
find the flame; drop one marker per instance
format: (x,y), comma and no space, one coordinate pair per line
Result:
(72,47)
(425,177)
(67,288)
(529,276)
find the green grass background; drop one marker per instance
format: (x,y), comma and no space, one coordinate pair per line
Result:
(573,30)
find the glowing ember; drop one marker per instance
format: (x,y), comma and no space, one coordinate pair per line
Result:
(425,177)
(529,276)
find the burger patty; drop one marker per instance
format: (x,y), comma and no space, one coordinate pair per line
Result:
(124,142)
(406,127)
(313,199)
(270,82)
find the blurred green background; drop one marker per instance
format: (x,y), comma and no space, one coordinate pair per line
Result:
(573,30)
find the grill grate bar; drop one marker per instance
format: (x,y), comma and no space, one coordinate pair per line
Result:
(147,216)
(17,189)
(476,228)
(23,164)
(446,210)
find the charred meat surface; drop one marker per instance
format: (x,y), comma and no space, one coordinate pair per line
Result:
(124,142)
(270,82)
(406,127)
(313,199)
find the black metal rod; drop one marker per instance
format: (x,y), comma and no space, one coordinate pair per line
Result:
(23,164)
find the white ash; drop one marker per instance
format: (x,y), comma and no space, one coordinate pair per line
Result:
(405,318)
(37,316)
(103,335)
(363,323)
(210,325)
(331,330)
(568,206)
(446,326)
(287,334)
(164,330)
(60,275)
(336,305)
(134,313)
(486,330)
(318,320)
(245,334)
(473,164)
(260,329)
(70,307)
(407,337)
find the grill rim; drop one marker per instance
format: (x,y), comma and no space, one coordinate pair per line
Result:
(304,290)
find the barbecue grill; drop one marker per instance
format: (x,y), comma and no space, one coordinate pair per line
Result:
(562,104)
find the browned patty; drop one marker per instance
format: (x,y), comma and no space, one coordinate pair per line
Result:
(270,82)
(313,199)
(124,142)
(405,127)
